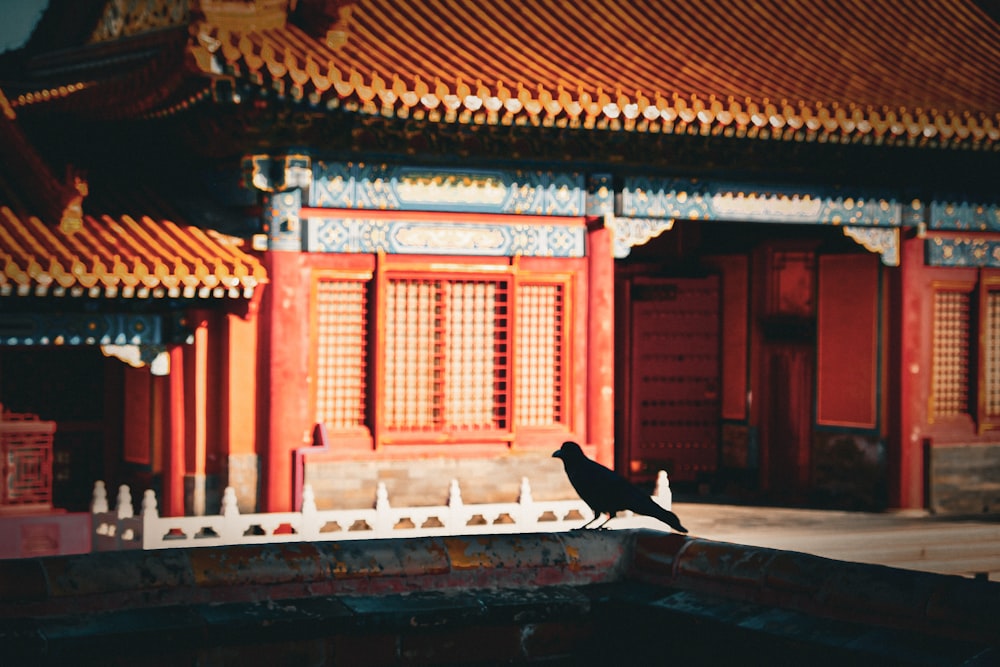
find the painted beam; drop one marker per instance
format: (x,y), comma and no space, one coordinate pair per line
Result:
(82,329)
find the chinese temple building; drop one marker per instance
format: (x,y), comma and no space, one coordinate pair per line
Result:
(343,242)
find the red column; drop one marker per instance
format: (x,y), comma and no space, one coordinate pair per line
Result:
(238,385)
(172,503)
(906,451)
(285,391)
(196,423)
(601,341)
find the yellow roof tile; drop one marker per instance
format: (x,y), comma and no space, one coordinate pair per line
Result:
(785,69)
(122,257)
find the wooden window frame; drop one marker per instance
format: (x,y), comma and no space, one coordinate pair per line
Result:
(378,270)
(347,268)
(565,280)
(989,282)
(967,287)
(445,434)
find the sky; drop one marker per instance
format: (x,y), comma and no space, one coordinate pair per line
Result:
(17,20)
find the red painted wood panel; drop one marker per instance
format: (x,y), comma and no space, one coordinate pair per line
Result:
(674,370)
(786,432)
(734,270)
(137,425)
(847,341)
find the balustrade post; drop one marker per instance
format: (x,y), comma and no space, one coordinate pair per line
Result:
(123,510)
(383,512)
(455,516)
(662,493)
(150,518)
(99,501)
(124,505)
(527,519)
(149,506)
(231,524)
(310,517)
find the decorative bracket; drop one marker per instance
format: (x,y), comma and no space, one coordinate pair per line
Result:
(268,173)
(884,241)
(137,356)
(630,232)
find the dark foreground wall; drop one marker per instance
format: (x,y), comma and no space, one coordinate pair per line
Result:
(567,598)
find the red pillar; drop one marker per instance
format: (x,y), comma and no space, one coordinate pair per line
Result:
(197,412)
(601,342)
(172,503)
(238,413)
(285,393)
(906,457)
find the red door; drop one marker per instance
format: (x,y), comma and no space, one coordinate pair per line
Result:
(673,378)
(787,418)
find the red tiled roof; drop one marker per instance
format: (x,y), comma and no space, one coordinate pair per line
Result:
(122,257)
(903,71)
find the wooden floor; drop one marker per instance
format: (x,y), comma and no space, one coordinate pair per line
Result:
(912,540)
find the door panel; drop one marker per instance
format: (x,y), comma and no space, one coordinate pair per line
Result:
(674,378)
(787,425)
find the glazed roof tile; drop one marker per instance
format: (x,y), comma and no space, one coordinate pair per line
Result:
(123,256)
(70,252)
(904,71)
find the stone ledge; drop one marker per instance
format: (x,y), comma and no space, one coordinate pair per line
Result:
(568,596)
(111,580)
(942,605)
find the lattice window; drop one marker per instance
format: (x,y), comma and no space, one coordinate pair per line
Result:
(445,354)
(473,388)
(25,460)
(950,379)
(341,352)
(412,335)
(991,353)
(540,354)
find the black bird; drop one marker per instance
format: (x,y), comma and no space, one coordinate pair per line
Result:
(607,492)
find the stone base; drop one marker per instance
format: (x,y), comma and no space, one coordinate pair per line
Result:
(964,479)
(422,482)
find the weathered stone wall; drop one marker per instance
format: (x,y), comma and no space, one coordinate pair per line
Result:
(964,479)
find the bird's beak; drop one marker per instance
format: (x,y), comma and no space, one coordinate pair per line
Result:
(557,454)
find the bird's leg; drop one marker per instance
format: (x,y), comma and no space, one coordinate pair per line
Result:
(597,515)
(611,515)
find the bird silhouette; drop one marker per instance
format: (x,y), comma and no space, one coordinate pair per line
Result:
(607,492)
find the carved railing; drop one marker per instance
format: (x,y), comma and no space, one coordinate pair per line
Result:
(122,529)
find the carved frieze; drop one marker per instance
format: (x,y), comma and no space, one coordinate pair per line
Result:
(962,251)
(965,216)
(82,329)
(409,236)
(404,188)
(694,200)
